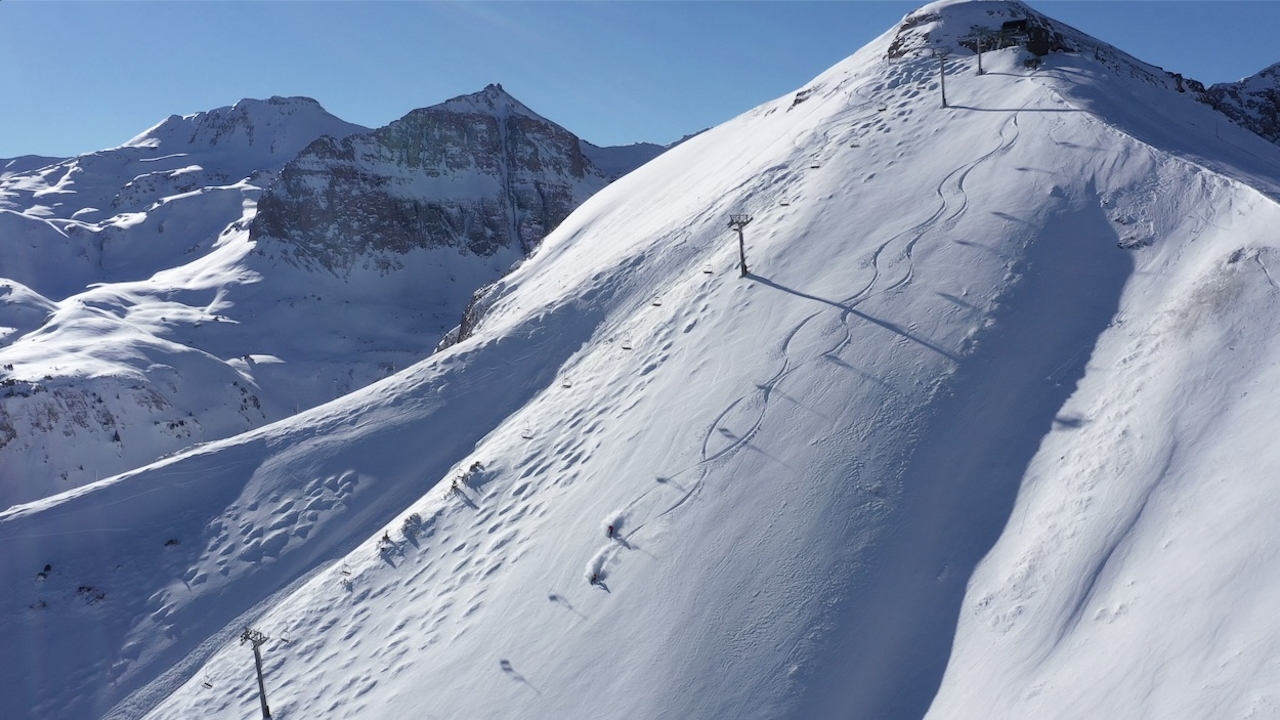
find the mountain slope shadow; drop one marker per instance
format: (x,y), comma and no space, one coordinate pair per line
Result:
(959,486)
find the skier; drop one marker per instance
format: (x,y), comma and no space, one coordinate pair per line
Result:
(611,531)
(595,579)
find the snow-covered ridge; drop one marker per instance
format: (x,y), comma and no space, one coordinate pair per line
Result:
(964,26)
(968,26)
(26,163)
(619,160)
(283,124)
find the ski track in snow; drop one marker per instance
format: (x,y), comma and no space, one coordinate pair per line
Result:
(953,202)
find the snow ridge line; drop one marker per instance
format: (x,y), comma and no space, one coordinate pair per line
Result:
(1272,196)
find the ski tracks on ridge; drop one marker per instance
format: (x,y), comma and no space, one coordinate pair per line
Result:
(895,255)
(891,269)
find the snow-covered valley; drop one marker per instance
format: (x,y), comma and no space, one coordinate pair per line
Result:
(985,431)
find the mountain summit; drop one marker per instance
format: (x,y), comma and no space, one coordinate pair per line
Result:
(982,429)
(492,100)
(479,173)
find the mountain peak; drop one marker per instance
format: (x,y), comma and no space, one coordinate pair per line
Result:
(1253,102)
(960,25)
(279,104)
(247,123)
(492,100)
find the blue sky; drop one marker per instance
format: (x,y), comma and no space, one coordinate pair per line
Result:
(78,76)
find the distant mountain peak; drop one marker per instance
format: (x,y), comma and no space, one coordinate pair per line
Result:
(249,122)
(501,177)
(281,101)
(492,100)
(1253,102)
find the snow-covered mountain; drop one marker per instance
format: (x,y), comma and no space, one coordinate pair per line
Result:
(481,174)
(984,432)
(1253,102)
(143,311)
(99,217)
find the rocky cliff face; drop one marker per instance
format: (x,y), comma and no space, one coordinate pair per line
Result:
(1253,102)
(478,173)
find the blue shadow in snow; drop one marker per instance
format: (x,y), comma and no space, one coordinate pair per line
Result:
(892,632)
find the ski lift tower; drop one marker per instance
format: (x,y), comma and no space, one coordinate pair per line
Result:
(256,638)
(983,41)
(737,222)
(941,54)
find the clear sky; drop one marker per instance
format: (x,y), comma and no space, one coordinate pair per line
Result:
(82,75)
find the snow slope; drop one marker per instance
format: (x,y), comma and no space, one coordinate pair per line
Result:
(983,433)
(118,264)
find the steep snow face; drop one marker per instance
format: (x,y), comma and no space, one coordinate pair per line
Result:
(1031,319)
(1253,102)
(481,174)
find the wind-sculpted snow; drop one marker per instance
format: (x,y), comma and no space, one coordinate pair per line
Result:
(984,432)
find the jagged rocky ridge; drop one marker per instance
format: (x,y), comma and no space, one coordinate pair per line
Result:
(1253,102)
(478,173)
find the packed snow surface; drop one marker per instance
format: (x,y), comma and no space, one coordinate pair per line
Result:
(985,431)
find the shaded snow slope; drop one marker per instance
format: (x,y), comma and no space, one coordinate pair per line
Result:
(1036,319)
(26,163)
(618,160)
